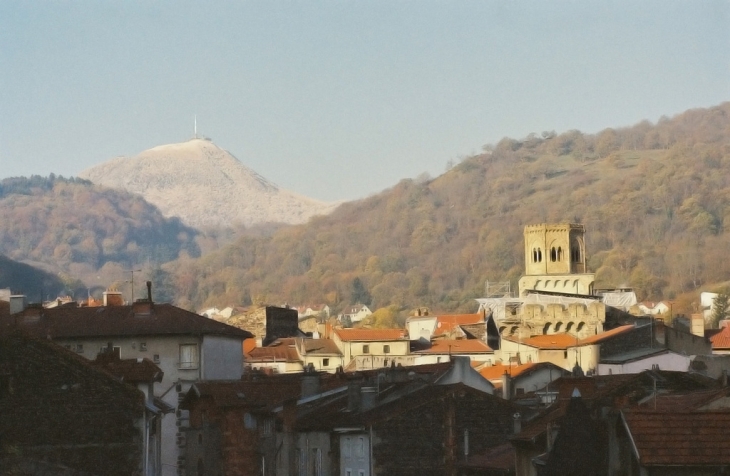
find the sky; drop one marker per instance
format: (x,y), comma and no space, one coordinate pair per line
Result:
(338,100)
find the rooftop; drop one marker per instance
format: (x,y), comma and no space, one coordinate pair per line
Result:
(460,346)
(679,438)
(112,321)
(371,334)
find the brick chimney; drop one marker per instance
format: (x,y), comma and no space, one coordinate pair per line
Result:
(112,297)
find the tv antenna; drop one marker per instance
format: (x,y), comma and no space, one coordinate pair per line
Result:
(195,127)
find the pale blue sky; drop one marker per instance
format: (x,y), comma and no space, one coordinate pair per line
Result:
(341,99)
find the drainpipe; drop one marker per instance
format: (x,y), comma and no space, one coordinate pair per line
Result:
(370,448)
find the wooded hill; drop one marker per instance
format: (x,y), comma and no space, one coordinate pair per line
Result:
(75,229)
(655,199)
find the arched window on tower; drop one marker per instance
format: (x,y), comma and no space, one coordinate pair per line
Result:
(553,254)
(560,253)
(539,255)
(534,255)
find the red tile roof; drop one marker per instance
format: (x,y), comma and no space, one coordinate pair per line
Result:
(606,335)
(680,438)
(370,334)
(565,340)
(721,340)
(447,323)
(112,321)
(460,346)
(495,372)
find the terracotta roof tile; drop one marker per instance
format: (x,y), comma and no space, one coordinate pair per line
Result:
(495,372)
(129,370)
(281,350)
(680,438)
(721,340)
(565,340)
(371,334)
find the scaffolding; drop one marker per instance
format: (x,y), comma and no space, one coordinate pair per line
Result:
(498,289)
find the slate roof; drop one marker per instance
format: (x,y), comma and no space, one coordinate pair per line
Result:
(371,334)
(129,370)
(321,346)
(460,346)
(116,321)
(56,406)
(256,391)
(679,438)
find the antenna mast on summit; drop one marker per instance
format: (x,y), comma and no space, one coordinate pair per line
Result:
(195,121)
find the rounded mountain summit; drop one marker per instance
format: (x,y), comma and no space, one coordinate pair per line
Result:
(205,186)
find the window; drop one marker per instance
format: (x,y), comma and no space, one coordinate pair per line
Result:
(325,362)
(360,448)
(80,348)
(143,346)
(316,462)
(520,391)
(346,447)
(188,356)
(156,358)
(249,421)
(267,429)
(385,362)
(366,349)
(386,349)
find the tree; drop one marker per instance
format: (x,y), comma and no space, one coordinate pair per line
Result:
(720,309)
(359,293)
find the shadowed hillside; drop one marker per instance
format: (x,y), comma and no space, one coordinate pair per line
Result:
(37,285)
(655,199)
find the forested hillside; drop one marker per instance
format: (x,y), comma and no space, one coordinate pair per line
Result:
(655,199)
(72,227)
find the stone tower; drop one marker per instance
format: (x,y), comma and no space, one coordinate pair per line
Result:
(555,259)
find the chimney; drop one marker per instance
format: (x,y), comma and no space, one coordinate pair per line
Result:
(517,420)
(17,303)
(368,396)
(310,382)
(506,386)
(353,397)
(149,291)
(112,298)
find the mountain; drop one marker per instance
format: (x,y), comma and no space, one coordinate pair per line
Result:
(655,200)
(205,186)
(74,227)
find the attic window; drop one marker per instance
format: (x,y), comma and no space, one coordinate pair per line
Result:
(142,346)
(156,358)
(325,362)
(386,349)
(366,349)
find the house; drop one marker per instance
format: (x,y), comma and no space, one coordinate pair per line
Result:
(638,360)
(62,415)
(446,326)
(354,314)
(321,311)
(187,348)
(442,350)
(291,355)
(318,424)
(515,380)
(370,348)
